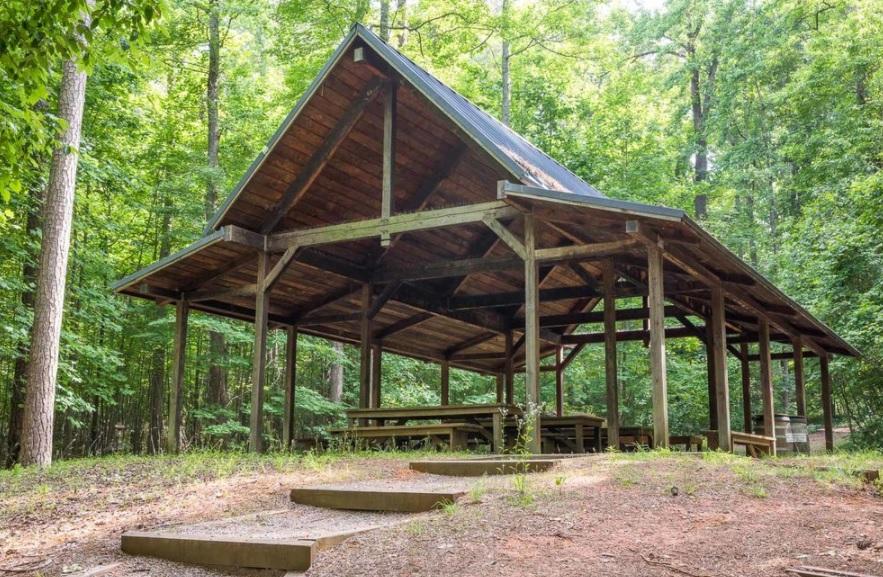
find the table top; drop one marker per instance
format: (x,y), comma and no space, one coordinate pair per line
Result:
(571,420)
(433,412)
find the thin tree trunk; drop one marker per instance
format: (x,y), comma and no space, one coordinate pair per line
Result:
(506,88)
(384,20)
(36,446)
(402,13)
(158,357)
(20,369)
(336,374)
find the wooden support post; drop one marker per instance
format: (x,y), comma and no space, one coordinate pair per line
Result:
(176,394)
(827,403)
(389,158)
(559,381)
(509,369)
(722,381)
(445,382)
(290,387)
(259,363)
(376,375)
(747,424)
(766,377)
(712,379)
(365,349)
(656,304)
(610,368)
(501,388)
(799,385)
(532,328)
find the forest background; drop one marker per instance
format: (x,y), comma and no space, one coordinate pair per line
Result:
(763,118)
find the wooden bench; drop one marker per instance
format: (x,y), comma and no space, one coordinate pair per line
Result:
(455,434)
(755,445)
(686,441)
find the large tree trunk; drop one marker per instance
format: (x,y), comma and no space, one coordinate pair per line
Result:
(36,446)
(335,375)
(216,386)
(700,166)
(19,376)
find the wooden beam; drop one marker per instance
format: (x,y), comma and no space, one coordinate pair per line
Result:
(500,389)
(584,252)
(506,236)
(445,269)
(210,294)
(216,275)
(572,354)
(401,325)
(766,378)
(508,368)
(559,381)
(389,157)
(469,343)
(320,158)
(532,329)
(290,379)
(259,363)
(316,320)
(566,319)
(610,362)
(376,375)
(722,384)
(366,331)
(321,301)
(827,403)
(711,367)
(747,425)
(380,300)
(176,394)
(445,382)
(280,267)
(623,336)
(656,303)
(799,385)
(396,224)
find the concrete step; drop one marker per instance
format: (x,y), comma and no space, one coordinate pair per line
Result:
(294,555)
(481,467)
(373,500)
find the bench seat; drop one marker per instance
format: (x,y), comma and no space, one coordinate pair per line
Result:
(455,434)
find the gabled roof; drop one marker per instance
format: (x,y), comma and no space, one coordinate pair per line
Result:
(527,163)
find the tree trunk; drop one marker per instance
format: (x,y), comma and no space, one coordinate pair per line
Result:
(36,446)
(335,375)
(19,375)
(401,11)
(216,387)
(700,165)
(384,20)
(506,84)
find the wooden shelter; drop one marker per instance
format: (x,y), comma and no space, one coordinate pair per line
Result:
(389,212)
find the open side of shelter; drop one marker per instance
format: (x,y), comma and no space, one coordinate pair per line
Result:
(391,213)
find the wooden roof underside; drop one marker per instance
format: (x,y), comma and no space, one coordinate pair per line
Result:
(326,168)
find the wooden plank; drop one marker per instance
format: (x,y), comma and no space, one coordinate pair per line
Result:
(445,380)
(656,303)
(401,325)
(396,224)
(469,343)
(747,425)
(225,293)
(623,336)
(389,156)
(380,300)
(532,329)
(799,385)
(176,395)
(610,369)
(827,403)
(583,252)
(290,380)
(506,236)
(766,378)
(259,363)
(280,267)
(576,318)
(445,269)
(320,158)
(722,384)
(711,368)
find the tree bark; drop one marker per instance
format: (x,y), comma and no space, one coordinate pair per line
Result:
(335,374)
(37,425)
(384,20)
(216,386)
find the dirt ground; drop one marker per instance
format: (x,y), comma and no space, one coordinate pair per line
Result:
(620,515)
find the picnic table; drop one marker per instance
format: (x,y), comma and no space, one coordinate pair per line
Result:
(471,414)
(569,429)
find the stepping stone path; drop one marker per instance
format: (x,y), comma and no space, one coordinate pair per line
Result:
(323,517)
